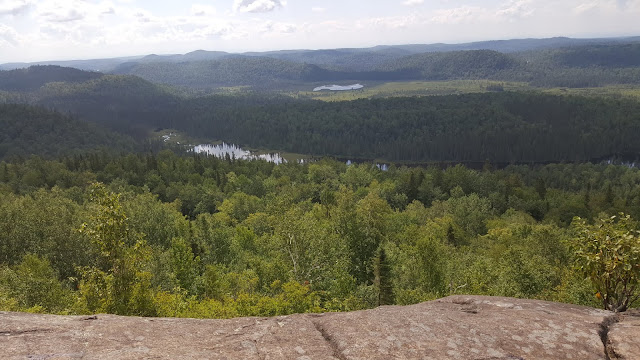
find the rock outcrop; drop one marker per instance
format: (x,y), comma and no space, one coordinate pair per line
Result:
(623,338)
(456,327)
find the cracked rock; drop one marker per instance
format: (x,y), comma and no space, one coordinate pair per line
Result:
(456,327)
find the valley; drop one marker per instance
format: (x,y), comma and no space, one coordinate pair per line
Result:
(216,184)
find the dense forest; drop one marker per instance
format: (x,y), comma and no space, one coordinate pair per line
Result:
(351,59)
(30,130)
(502,127)
(99,214)
(577,66)
(34,77)
(175,235)
(231,71)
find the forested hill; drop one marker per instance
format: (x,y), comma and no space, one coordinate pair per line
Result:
(476,64)
(30,130)
(232,71)
(558,62)
(127,104)
(604,56)
(124,103)
(500,127)
(350,59)
(34,77)
(587,65)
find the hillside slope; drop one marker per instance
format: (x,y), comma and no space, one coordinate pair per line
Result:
(576,66)
(232,71)
(126,104)
(32,130)
(34,77)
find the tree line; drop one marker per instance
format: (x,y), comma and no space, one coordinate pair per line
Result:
(194,236)
(502,127)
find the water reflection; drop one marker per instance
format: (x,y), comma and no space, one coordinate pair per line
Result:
(236,152)
(339,87)
(383,167)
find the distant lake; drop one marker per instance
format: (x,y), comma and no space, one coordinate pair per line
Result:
(234,151)
(383,167)
(339,87)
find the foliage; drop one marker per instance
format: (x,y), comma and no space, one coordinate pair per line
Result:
(500,127)
(608,253)
(33,284)
(33,130)
(34,77)
(275,239)
(383,278)
(574,66)
(124,287)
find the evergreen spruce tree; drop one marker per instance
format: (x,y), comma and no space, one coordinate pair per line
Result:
(382,271)
(451,236)
(541,188)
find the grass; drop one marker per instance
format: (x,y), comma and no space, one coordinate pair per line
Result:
(453,87)
(616,91)
(410,88)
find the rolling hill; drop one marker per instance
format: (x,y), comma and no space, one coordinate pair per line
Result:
(30,130)
(32,78)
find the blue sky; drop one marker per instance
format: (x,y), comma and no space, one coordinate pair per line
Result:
(32,30)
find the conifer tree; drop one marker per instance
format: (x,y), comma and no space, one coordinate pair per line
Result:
(382,271)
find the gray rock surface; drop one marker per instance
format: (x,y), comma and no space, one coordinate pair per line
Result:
(456,327)
(623,338)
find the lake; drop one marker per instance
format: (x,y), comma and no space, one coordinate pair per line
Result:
(234,151)
(339,87)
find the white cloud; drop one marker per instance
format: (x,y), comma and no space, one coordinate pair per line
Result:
(62,11)
(14,7)
(457,15)
(143,16)
(389,22)
(257,6)
(509,11)
(608,6)
(622,4)
(49,29)
(108,11)
(271,27)
(8,36)
(212,31)
(75,11)
(516,9)
(202,10)
(64,16)
(584,7)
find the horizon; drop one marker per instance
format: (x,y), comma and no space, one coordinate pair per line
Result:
(62,30)
(139,56)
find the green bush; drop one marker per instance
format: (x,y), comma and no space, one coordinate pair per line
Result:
(608,253)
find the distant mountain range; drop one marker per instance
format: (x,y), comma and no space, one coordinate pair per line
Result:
(555,62)
(138,96)
(579,65)
(366,58)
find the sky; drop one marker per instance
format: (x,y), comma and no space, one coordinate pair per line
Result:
(32,30)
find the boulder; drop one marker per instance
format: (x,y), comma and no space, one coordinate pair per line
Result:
(456,327)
